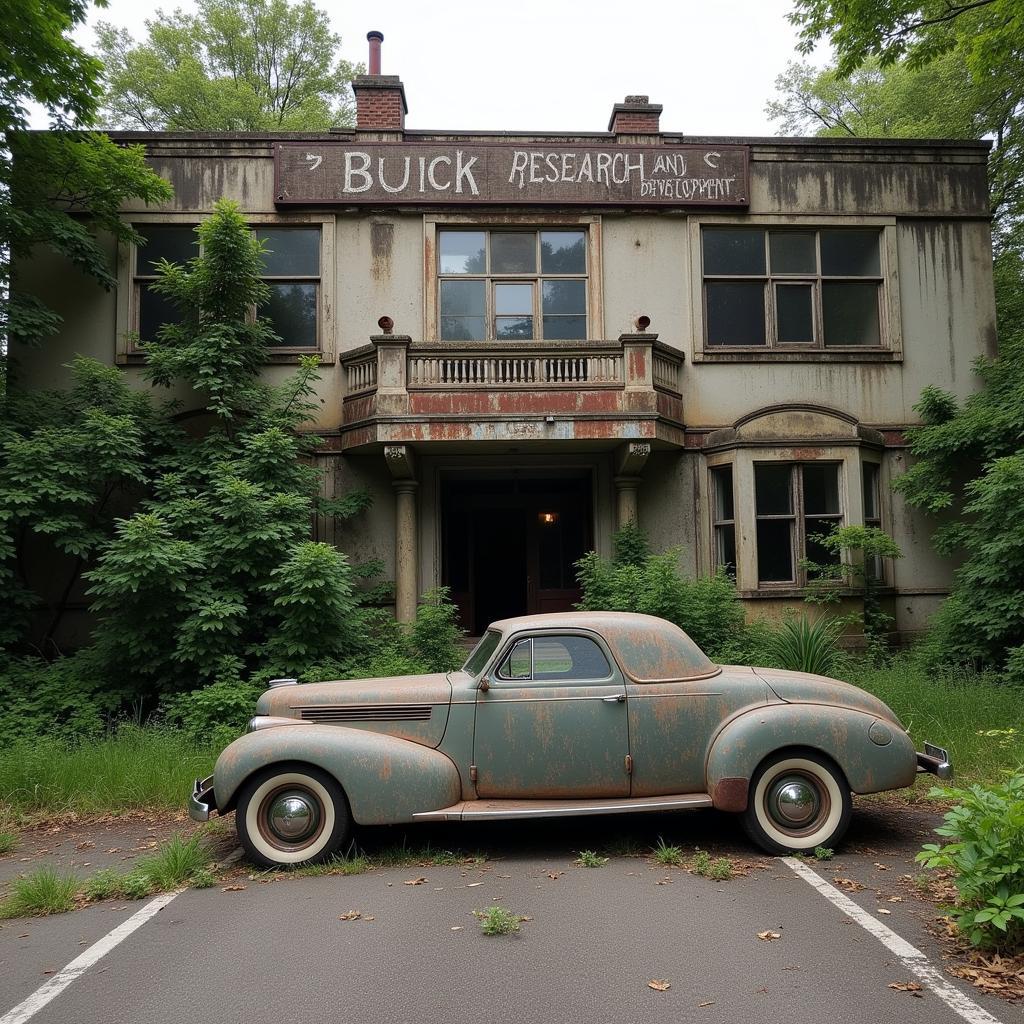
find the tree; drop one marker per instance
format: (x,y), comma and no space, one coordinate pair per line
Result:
(59,188)
(236,65)
(969,464)
(215,575)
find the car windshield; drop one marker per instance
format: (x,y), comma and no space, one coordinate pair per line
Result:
(482,653)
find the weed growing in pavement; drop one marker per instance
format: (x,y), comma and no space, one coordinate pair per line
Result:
(110,884)
(175,862)
(498,921)
(718,870)
(8,840)
(590,859)
(44,891)
(670,856)
(204,878)
(823,853)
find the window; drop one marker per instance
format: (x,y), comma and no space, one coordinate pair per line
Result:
(871,474)
(176,243)
(723,519)
(291,268)
(512,285)
(794,502)
(792,288)
(554,659)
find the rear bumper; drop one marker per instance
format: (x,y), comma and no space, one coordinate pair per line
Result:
(202,803)
(935,761)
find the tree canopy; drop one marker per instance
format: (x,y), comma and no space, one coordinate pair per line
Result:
(234,65)
(58,188)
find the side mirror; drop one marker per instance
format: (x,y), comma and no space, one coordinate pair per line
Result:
(485,684)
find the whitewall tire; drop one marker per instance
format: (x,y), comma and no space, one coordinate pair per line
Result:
(797,801)
(291,814)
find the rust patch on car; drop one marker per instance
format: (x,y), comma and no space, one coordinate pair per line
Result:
(731,794)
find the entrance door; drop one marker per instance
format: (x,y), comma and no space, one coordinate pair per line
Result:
(509,545)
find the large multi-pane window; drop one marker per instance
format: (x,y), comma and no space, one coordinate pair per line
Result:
(291,269)
(512,285)
(723,519)
(795,502)
(788,288)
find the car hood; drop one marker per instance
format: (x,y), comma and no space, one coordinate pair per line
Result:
(804,688)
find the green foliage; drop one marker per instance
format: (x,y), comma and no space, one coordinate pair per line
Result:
(234,65)
(498,921)
(823,853)
(986,855)
(111,884)
(215,576)
(718,870)
(177,862)
(435,635)
(803,645)
(636,581)
(670,856)
(215,714)
(590,859)
(43,891)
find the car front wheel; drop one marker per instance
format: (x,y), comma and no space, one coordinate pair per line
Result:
(797,801)
(291,814)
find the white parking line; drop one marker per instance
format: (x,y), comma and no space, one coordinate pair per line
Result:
(912,958)
(60,981)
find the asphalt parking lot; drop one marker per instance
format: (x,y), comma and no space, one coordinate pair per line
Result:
(780,941)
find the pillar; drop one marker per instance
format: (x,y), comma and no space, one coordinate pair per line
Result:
(626,503)
(400,464)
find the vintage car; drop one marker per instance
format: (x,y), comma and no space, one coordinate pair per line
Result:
(553,715)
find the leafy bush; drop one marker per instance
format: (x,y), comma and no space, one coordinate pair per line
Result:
(803,645)
(215,714)
(637,581)
(987,858)
(435,635)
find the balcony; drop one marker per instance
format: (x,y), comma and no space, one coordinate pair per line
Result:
(398,391)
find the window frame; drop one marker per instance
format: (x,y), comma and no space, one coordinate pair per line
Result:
(496,679)
(590,225)
(128,305)
(715,472)
(890,348)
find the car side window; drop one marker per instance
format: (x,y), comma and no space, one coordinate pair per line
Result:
(555,659)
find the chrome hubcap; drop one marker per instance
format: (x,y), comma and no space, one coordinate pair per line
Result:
(293,817)
(793,802)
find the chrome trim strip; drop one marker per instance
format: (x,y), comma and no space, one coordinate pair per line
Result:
(465,811)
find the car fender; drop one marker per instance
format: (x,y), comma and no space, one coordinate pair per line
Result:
(386,779)
(874,754)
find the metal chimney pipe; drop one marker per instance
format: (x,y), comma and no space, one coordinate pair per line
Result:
(375,38)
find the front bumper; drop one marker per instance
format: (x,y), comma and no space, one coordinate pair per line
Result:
(935,760)
(201,803)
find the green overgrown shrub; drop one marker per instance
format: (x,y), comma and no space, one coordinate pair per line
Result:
(987,857)
(805,645)
(635,580)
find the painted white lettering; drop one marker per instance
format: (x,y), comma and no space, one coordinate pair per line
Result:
(434,183)
(552,161)
(519,162)
(712,158)
(568,166)
(423,174)
(634,164)
(465,170)
(535,176)
(362,171)
(586,172)
(618,159)
(603,162)
(314,160)
(384,185)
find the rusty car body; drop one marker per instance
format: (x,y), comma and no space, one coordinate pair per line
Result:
(560,714)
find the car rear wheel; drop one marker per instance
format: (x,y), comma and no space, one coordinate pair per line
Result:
(798,801)
(291,814)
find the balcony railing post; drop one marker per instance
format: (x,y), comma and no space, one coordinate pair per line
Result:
(392,372)
(638,361)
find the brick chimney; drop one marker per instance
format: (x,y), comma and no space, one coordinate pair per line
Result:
(637,116)
(380,99)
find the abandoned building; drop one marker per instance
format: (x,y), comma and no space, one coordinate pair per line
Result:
(527,339)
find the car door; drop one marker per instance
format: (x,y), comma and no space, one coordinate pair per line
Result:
(552,721)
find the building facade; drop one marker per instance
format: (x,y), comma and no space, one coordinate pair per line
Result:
(527,339)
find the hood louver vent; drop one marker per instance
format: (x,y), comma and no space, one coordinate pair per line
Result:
(365,713)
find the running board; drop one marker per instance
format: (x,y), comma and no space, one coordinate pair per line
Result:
(492,810)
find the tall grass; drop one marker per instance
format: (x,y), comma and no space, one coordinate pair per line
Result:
(976,717)
(133,767)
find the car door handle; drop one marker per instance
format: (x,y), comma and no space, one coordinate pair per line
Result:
(615,698)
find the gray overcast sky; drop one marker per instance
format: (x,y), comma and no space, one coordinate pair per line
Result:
(556,65)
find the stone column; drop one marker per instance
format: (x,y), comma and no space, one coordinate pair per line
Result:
(629,465)
(400,464)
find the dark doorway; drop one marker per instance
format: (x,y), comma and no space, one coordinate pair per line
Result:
(509,545)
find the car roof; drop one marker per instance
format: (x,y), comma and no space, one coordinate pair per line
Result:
(648,649)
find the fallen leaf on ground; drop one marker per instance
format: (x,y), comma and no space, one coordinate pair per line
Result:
(456,927)
(895,899)
(659,985)
(416,881)
(907,986)
(848,884)
(710,1002)
(555,874)
(351,915)
(369,917)
(232,888)
(469,885)
(768,936)
(881,867)
(882,910)
(86,846)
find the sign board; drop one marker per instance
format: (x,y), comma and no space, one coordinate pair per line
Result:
(506,173)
